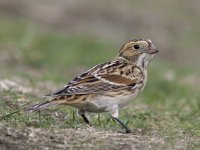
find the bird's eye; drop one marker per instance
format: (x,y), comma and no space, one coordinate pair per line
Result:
(136,46)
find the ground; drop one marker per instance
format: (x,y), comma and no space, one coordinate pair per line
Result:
(87,138)
(44,45)
(70,138)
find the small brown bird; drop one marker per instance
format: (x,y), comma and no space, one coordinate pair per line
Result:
(109,86)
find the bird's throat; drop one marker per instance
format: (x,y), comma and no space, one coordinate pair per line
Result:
(144,60)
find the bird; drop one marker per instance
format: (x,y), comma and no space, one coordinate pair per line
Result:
(109,86)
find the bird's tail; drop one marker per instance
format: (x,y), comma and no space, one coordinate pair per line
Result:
(46,104)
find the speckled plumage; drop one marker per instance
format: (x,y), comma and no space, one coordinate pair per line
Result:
(109,86)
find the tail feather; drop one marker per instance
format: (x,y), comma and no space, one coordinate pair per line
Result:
(52,101)
(41,106)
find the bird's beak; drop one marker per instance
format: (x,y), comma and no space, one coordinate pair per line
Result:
(153,49)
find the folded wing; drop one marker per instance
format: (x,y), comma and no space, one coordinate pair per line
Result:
(110,76)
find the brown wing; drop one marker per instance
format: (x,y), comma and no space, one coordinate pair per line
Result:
(110,76)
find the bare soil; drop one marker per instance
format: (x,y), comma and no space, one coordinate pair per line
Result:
(89,138)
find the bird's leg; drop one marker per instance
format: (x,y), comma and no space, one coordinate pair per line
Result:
(82,114)
(123,125)
(85,119)
(115,113)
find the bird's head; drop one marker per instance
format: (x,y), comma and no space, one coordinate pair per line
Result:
(138,49)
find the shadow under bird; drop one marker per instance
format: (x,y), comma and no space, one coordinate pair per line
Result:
(109,86)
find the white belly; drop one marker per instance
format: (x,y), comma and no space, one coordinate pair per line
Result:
(102,103)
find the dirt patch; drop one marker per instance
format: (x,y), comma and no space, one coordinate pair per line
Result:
(89,138)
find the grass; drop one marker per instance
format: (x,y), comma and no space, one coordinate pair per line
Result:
(167,108)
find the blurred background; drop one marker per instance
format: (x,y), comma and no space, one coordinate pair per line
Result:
(51,41)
